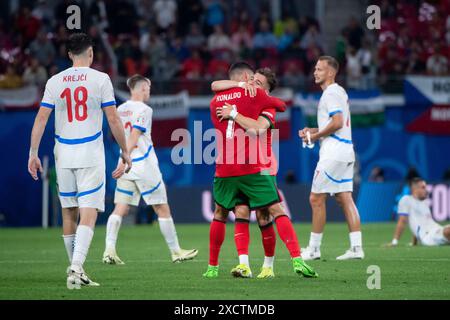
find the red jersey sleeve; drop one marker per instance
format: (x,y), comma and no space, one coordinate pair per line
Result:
(269,114)
(266,101)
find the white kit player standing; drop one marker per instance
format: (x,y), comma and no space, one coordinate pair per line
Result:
(79,95)
(145,179)
(414,208)
(334,171)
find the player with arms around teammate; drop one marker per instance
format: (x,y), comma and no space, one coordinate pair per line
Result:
(237,182)
(264,79)
(414,208)
(334,171)
(79,95)
(145,179)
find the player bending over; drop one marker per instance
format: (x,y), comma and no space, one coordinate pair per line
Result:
(145,179)
(264,79)
(334,171)
(79,95)
(414,208)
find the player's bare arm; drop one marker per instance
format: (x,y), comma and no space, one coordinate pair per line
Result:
(117,130)
(399,228)
(40,122)
(336,123)
(302,132)
(221,85)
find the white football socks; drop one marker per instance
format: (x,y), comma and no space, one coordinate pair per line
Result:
(112,230)
(355,239)
(315,240)
(268,262)
(83,238)
(167,228)
(69,243)
(243,259)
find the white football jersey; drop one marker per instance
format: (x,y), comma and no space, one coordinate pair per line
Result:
(419,214)
(138,115)
(337,146)
(78,95)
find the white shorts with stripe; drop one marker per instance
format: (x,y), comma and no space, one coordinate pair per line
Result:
(433,237)
(82,187)
(130,192)
(333,177)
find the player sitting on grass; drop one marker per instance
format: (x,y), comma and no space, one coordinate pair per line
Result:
(264,79)
(145,179)
(414,208)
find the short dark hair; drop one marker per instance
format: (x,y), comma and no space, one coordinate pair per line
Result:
(79,43)
(332,62)
(238,67)
(415,181)
(135,79)
(270,76)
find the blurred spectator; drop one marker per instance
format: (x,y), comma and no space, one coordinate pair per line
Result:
(214,15)
(293,75)
(241,40)
(341,47)
(42,49)
(376,175)
(218,40)
(10,80)
(189,12)
(193,67)
(437,64)
(27,25)
(178,49)
(165,11)
(415,64)
(353,69)
(287,37)
(35,74)
(365,57)
(355,33)
(62,61)
(43,13)
(264,38)
(312,37)
(243,21)
(195,38)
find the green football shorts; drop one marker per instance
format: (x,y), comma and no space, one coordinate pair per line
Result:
(255,190)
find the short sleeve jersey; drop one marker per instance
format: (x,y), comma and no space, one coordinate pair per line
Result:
(78,95)
(337,146)
(240,153)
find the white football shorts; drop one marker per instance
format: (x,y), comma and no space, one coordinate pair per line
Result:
(333,177)
(433,237)
(82,187)
(130,192)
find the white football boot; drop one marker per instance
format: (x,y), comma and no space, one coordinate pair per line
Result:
(311,253)
(77,279)
(183,255)
(111,257)
(352,253)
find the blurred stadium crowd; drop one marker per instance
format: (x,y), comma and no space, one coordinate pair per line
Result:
(186,42)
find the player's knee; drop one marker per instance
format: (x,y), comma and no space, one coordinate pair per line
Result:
(220,213)
(162,210)
(263,217)
(242,213)
(316,200)
(276,210)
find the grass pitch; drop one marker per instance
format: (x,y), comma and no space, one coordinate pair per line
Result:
(33,264)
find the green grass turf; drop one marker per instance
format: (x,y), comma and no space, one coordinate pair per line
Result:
(33,264)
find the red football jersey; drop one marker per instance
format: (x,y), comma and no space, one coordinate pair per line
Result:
(239,153)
